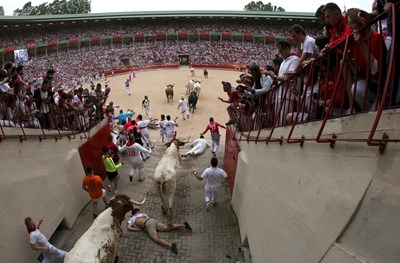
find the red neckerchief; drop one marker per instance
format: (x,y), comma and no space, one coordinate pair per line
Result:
(80,96)
(130,143)
(30,229)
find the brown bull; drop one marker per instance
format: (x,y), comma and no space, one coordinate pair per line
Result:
(169,91)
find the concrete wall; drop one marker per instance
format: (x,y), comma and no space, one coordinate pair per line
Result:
(41,180)
(317,204)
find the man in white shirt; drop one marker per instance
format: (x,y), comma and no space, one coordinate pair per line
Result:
(214,176)
(144,130)
(133,151)
(170,128)
(306,48)
(198,147)
(285,96)
(184,106)
(39,242)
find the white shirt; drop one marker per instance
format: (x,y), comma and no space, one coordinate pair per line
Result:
(214,176)
(36,237)
(308,46)
(288,65)
(200,143)
(133,150)
(169,127)
(78,102)
(143,126)
(162,124)
(132,220)
(183,104)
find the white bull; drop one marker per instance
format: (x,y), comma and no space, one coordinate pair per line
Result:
(197,88)
(101,242)
(189,86)
(165,176)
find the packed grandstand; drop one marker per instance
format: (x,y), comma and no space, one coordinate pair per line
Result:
(84,49)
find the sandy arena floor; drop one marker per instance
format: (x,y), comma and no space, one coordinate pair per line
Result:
(153,83)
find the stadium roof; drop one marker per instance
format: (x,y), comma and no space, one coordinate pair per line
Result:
(158,14)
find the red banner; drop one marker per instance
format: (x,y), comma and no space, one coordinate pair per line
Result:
(117,36)
(31,45)
(248,35)
(73,41)
(226,34)
(95,38)
(52,43)
(204,34)
(161,34)
(139,35)
(182,33)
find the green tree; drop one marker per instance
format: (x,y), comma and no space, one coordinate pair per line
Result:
(1,11)
(57,7)
(260,6)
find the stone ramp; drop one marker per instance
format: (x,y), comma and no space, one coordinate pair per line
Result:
(215,233)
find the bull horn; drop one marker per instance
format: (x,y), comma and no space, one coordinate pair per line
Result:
(139,203)
(188,139)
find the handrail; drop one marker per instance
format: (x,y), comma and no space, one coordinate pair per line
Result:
(384,98)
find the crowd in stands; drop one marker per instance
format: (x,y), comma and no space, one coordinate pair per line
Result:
(50,33)
(341,71)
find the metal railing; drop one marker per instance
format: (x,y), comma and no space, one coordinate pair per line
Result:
(302,99)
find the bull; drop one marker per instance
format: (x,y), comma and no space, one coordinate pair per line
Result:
(197,88)
(169,92)
(101,242)
(189,86)
(165,176)
(192,101)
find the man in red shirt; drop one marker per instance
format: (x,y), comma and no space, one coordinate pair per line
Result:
(94,185)
(340,28)
(215,136)
(233,101)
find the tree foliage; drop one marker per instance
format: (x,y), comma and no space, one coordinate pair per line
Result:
(260,6)
(57,7)
(1,11)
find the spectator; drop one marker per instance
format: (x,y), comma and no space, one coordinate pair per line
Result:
(364,75)
(305,44)
(340,29)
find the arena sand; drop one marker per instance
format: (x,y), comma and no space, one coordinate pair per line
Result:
(153,83)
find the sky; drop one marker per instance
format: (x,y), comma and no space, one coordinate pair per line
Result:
(103,6)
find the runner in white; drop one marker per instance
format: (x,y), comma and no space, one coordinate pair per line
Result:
(198,147)
(133,151)
(170,128)
(163,134)
(143,126)
(184,106)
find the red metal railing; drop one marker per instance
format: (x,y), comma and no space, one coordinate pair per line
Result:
(356,98)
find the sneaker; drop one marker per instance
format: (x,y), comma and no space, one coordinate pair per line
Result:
(187,226)
(109,188)
(184,155)
(192,154)
(174,248)
(130,178)
(208,207)
(94,216)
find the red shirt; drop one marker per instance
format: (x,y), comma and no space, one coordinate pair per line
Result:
(327,89)
(213,127)
(337,35)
